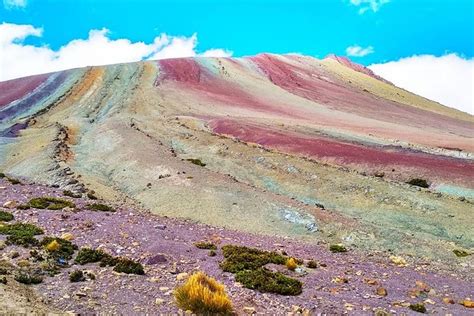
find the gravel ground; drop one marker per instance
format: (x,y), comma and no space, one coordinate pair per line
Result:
(343,283)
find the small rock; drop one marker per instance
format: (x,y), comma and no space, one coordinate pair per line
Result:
(381,291)
(249,310)
(181,276)
(448,300)
(159,258)
(164,288)
(67,236)
(2,245)
(160,227)
(23,263)
(468,303)
(10,204)
(159,301)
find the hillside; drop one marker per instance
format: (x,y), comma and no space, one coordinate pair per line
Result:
(317,151)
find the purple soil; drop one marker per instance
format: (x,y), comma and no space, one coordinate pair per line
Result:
(139,235)
(17,88)
(331,150)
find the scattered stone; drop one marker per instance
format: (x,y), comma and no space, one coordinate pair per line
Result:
(249,310)
(448,300)
(468,303)
(181,276)
(156,259)
(164,288)
(67,236)
(159,301)
(10,204)
(381,291)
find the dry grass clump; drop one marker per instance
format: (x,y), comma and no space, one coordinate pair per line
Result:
(202,294)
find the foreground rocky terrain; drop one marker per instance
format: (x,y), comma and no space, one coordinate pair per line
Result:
(351,281)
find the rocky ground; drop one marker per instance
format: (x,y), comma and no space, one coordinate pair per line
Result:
(350,282)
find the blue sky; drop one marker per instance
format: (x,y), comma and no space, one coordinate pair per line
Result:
(399,28)
(409,42)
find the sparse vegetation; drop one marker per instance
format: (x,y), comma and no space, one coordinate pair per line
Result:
(50,203)
(28,278)
(196,161)
(239,258)
(422,183)
(23,207)
(205,245)
(77,276)
(88,255)
(291,264)
(203,295)
(129,266)
(212,253)
(264,280)
(418,307)
(2,175)
(460,253)
(71,194)
(13,181)
(100,207)
(6,216)
(337,248)
(21,234)
(59,248)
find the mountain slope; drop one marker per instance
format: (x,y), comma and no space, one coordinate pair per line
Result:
(287,145)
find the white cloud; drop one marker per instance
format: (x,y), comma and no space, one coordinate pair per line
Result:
(358,51)
(366,5)
(14,4)
(19,60)
(447,79)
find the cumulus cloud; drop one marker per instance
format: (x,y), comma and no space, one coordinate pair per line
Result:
(358,51)
(447,79)
(366,5)
(14,4)
(19,60)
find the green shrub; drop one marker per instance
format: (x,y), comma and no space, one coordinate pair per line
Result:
(460,253)
(212,253)
(205,245)
(77,276)
(239,258)
(22,240)
(129,266)
(23,207)
(21,234)
(20,229)
(88,255)
(13,181)
(28,278)
(196,162)
(337,248)
(50,203)
(65,251)
(418,307)
(264,280)
(6,216)
(100,207)
(419,183)
(71,194)
(2,175)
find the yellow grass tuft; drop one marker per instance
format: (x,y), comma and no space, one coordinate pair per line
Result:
(291,264)
(202,294)
(53,246)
